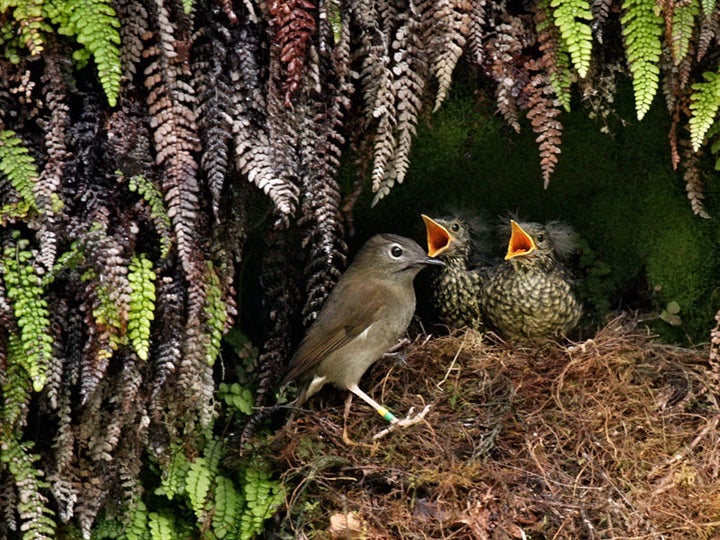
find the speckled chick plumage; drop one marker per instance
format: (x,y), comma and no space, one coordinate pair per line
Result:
(529,297)
(454,288)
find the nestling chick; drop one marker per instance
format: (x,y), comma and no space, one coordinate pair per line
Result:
(455,288)
(529,297)
(367,311)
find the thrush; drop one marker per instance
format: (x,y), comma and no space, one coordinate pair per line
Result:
(529,298)
(369,308)
(455,288)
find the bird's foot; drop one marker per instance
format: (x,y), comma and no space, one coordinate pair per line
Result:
(399,350)
(410,420)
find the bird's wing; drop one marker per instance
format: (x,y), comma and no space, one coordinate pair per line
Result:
(346,315)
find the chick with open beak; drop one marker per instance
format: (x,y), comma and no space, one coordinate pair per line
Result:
(529,297)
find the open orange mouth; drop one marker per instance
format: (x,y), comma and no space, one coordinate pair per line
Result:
(438,238)
(520,242)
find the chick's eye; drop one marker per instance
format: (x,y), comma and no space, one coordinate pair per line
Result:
(540,238)
(455,227)
(396,251)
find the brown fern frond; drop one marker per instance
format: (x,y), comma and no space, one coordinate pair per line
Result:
(600,11)
(503,52)
(46,190)
(446,30)
(294,23)
(282,299)
(709,34)
(134,20)
(477,32)
(215,106)
(170,105)
(693,176)
(107,302)
(255,154)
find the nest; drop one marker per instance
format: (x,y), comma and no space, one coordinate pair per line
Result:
(616,437)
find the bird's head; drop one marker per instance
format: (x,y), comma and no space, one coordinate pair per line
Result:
(390,254)
(448,238)
(535,241)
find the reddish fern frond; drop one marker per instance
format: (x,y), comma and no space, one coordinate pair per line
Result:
(294,23)
(543,109)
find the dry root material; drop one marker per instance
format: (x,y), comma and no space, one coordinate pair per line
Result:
(616,437)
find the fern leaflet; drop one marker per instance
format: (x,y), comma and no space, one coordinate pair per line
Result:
(704,104)
(142,304)
(642,29)
(573,18)
(18,166)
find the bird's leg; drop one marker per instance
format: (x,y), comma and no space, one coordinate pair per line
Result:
(382,411)
(345,437)
(387,415)
(399,350)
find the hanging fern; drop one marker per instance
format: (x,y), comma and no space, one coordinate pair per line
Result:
(642,29)
(682,24)
(572,17)
(704,104)
(142,304)
(18,166)
(29,24)
(24,289)
(95,26)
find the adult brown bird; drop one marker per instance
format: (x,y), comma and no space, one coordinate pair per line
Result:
(367,311)
(529,297)
(454,288)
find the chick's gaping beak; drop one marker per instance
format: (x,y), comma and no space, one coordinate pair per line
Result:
(521,243)
(438,238)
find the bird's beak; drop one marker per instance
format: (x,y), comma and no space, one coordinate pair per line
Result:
(438,238)
(521,243)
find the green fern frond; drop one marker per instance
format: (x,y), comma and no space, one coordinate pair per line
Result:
(94,25)
(24,290)
(107,316)
(683,22)
(216,315)
(137,528)
(162,526)
(227,502)
(16,390)
(18,166)
(237,396)
(708,6)
(197,485)
(262,497)
(28,23)
(173,479)
(573,17)
(142,304)
(158,213)
(642,29)
(704,104)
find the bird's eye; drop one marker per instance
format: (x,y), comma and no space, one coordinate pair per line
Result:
(396,251)
(455,227)
(540,238)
